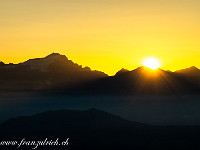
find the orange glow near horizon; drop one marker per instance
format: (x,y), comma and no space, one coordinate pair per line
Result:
(105,35)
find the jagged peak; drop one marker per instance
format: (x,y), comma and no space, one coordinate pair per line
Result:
(190,69)
(193,68)
(51,56)
(122,71)
(2,63)
(143,68)
(54,55)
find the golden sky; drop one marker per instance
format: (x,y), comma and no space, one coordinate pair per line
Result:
(103,34)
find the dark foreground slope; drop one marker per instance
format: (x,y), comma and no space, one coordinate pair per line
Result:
(95,129)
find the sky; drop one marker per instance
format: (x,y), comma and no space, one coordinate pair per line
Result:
(105,35)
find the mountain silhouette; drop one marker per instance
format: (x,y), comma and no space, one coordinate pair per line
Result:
(122,71)
(95,129)
(142,81)
(56,73)
(190,72)
(2,63)
(43,73)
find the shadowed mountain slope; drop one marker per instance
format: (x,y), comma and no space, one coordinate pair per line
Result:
(142,81)
(192,71)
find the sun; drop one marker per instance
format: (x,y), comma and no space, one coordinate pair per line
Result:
(151,63)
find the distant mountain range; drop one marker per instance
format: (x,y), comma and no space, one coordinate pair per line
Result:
(56,73)
(143,81)
(94,129)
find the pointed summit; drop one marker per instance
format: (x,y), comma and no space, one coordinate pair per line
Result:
(2,63)
(43,63)
(191,71)
(122,71)
(145,70)
(54,56)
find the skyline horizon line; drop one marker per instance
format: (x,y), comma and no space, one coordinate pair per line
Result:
(138,66)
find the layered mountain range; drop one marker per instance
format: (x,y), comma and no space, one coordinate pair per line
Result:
(145,81)
(57,73)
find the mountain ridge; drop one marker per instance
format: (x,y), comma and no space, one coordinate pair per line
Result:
(58,55)
(41,73)
(143,80)
(57,73)
(191,71)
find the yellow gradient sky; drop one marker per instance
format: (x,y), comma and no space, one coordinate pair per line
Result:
(103,34)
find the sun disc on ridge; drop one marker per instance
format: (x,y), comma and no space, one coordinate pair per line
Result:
(151,63)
